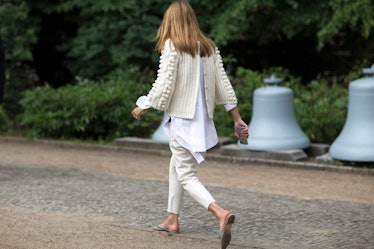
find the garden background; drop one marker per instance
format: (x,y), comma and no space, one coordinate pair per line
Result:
(74,68)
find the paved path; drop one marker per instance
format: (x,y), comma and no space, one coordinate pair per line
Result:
(123,198)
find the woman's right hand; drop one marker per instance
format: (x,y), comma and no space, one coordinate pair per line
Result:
(137,112)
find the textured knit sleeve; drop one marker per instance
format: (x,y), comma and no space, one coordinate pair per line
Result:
(163,87)
(225,93)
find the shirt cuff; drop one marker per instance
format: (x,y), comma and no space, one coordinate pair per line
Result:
(229,107)
(143,102)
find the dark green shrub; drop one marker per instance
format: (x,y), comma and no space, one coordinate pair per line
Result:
(321,110)
(88,110)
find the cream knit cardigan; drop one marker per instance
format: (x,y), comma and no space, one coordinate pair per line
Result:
(176,86)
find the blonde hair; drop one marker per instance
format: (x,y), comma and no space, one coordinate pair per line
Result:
(180,25)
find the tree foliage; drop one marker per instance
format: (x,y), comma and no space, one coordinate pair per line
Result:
(18,33)
(307,37)
(105,35)
(272,20)
(91,38)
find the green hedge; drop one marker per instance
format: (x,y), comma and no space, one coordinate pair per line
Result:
(101,110)
(88,110)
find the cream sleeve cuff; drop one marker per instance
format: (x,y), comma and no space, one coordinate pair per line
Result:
(143,102)
(229,107)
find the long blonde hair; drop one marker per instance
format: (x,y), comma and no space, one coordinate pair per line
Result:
(180,25)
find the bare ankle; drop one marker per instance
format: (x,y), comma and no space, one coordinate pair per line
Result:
(171,221)
(219,213)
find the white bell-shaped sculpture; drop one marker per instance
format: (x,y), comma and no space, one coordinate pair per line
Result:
(273,125)
(159,135)
(356,140)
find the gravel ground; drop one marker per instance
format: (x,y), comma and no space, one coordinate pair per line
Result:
(74,197)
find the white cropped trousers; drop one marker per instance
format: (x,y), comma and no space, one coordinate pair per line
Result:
(183,177)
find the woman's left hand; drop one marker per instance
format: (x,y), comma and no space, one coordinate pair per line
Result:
(244,131)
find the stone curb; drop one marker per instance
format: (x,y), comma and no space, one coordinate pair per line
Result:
(161,151)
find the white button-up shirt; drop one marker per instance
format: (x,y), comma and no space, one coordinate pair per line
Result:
(198,134)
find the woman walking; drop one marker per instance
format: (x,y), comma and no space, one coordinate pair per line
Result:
(191,80)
